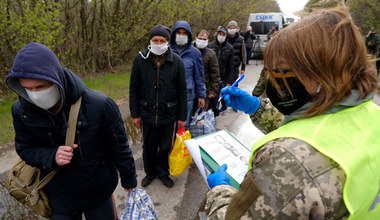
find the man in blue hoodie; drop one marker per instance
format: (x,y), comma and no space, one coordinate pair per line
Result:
(87,173)
(180,43)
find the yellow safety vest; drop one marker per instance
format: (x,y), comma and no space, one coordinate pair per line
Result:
(350,137)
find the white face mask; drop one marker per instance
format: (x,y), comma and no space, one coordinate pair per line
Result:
(221,38)
(231,31)
(201,43)
(158,49)
(45,99)
(181,39)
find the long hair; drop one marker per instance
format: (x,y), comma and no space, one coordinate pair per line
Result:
(328,48)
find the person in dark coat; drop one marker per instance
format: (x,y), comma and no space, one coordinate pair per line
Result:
(249,36)
(158,97)
(225,54)
(211,68)
(238,44)
(88,171)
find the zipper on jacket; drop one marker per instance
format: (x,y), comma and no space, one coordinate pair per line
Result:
(157,82)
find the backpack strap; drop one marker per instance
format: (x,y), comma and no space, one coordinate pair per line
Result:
(70,136)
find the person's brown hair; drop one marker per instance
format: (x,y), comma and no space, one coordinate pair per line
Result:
(328,48)
(202,31)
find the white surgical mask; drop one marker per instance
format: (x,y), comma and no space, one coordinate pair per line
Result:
(231,31)
(181,39)
(221,38)
(46,98)
(201,43)
(158,49)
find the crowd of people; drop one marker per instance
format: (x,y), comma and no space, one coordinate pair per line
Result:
(324,80)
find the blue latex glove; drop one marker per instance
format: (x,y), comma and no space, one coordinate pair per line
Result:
(219,177)
(241,100)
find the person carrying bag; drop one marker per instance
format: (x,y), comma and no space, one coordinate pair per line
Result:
(24,182)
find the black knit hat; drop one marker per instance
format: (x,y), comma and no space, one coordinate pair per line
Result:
(160,30)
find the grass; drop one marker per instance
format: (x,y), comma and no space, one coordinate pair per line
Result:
(114,85)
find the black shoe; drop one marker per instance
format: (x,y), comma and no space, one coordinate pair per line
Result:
(147,180)
(167,181)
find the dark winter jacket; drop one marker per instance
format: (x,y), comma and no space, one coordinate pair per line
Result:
(192,59)
(239,50)
(158,95)
(211,67)
(91,176)
(225,56)
(248,38)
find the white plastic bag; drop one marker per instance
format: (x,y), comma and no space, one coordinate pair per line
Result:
(139,207)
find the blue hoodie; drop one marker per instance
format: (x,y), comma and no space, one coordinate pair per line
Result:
(91,176)
(192,58)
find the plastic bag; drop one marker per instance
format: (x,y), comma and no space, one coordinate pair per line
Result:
(180,157)
(203,123)
(139,207)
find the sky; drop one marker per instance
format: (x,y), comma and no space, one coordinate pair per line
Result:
(290,6)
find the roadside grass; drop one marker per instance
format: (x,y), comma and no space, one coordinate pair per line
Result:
(114,85)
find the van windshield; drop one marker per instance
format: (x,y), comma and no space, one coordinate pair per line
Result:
(262,27)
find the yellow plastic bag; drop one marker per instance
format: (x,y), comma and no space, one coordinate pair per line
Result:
(180,157)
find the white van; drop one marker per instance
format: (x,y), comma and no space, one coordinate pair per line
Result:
(261,23)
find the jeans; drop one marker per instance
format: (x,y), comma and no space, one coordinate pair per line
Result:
(249,53)
(190,104)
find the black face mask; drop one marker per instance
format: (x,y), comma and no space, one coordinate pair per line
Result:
(287,104)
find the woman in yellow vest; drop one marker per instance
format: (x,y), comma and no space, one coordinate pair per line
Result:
(324,161)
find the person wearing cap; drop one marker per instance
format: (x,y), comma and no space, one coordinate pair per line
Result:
(180,43)
(157,101)
(225,54)
(211,68)
(87,172)
(238,43)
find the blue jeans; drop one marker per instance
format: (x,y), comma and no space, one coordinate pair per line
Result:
(190,103)
(249,53)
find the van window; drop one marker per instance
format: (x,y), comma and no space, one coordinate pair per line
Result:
(262,27)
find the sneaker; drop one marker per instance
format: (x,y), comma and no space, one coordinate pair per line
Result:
(167,181)
(147,180)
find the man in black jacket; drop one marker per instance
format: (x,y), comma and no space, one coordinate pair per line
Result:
(87,172)
(238,44)
(225,54)
(158,97)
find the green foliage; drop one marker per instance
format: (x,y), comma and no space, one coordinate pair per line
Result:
(370,17)
(115,86)
(7,132)
(100,35)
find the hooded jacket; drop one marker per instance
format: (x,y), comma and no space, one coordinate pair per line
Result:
(91,176)
(192,59)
